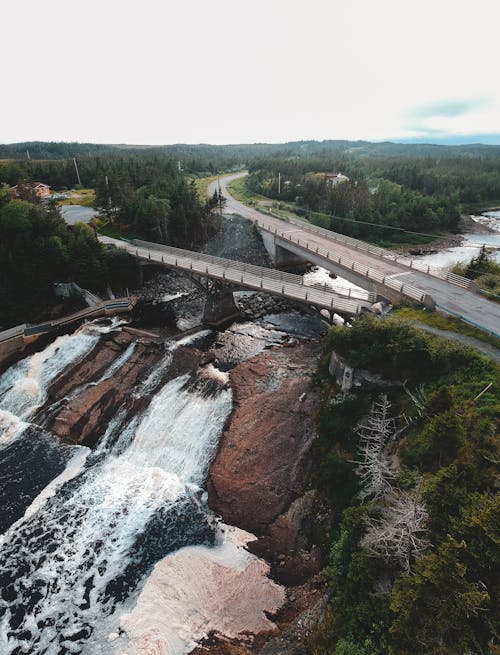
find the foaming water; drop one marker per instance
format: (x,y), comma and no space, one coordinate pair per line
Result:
(197,590)
(73,467)
(23,387)
(114,550)
(11,427)
(118,363)
(75,558)
(181,430)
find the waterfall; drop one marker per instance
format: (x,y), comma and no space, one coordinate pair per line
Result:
(23,387)
(113,551)
(67,566)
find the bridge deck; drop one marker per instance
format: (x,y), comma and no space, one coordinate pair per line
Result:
(253,277)
(451,294)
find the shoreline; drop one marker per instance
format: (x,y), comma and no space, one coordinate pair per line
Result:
(466,225)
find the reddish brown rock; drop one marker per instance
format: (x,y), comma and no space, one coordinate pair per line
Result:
(91,367)
(84,419)
(262,460)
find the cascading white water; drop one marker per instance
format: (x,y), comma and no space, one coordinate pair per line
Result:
(180,435)
(23,387)
(11,427)
(118,363)
(31,457)
(74,569)
(87,548)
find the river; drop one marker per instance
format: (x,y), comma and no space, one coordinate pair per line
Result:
(92,539)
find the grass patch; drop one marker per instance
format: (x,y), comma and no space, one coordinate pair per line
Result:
(83,197)
(106,228)
(434,319)
(238,189)
(202,184)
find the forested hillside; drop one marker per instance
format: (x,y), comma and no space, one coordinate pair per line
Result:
(414,541)
(382,195)
(37,248)
(214,158)
(138,196)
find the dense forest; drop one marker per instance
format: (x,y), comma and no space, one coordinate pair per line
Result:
(141,196)
(37,248)
(414,540)
(151,198)
(229,155)
(382,195)
(150,193)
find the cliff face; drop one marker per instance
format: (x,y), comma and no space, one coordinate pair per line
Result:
(258,480)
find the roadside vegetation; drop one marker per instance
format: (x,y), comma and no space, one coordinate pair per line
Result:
(409,472)
(484,270)
(442,322)
(83,197)
(241,191)
(202,184)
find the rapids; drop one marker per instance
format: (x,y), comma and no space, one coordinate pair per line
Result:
(83,530)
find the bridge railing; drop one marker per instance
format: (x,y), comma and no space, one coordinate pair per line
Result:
(13,332)
(254,277)
(413,264)
(260,271)
(26,330)
(345,262)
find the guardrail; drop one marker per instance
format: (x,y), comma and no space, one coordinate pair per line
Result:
(413,264)
(13,332)
(463,282)
(345,262)
(257,270)
(254,277)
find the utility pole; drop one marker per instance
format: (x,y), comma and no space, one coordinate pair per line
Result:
(77,173)
(279,183)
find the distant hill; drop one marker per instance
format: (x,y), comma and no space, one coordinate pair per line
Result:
(243,153)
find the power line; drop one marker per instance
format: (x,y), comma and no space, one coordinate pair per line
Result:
(382,225)
(388,227)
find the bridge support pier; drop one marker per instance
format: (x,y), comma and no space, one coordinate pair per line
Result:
(220,308)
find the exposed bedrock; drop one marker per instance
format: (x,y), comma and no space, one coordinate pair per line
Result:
(83,419)
(259,479)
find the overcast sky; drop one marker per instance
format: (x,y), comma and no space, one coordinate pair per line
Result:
(235,71)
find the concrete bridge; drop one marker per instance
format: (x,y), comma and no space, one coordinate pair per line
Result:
(290,240)
(258,278)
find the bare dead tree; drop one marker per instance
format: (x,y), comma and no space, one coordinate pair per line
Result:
(399,533)
(374,464)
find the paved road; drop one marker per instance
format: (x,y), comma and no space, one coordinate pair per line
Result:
(484,348)
(470,306)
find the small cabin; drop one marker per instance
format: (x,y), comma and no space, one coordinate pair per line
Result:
(39,189)
(333,179)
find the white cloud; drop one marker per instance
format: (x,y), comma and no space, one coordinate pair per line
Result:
(158,71)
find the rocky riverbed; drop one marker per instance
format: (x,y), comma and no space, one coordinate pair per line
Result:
(259,480)
(147,412)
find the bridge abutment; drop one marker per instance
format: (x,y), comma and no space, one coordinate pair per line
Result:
(281,257)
